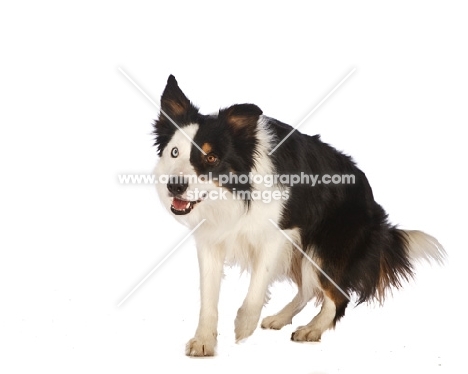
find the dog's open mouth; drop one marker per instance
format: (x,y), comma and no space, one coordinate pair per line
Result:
(180,206)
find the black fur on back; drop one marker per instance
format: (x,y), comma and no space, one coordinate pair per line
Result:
(340,223)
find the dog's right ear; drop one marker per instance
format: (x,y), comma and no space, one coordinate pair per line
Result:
(175,108)
(175,104)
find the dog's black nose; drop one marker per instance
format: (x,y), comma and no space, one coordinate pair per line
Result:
(177,185)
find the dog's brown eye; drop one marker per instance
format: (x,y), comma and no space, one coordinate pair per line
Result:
(211,159)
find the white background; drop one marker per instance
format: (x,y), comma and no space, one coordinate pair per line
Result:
(74,241)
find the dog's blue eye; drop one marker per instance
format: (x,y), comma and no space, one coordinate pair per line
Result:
(174,152)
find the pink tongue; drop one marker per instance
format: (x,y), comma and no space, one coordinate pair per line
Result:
(179,204)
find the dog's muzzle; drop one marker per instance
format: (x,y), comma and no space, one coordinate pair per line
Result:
(177,185)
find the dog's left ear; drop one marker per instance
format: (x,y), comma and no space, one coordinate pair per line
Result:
(241,116)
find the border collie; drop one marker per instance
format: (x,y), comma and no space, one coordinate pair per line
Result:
(277,213)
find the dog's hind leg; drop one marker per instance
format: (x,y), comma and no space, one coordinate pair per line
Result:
(333,308)
(304,275)
(284,317)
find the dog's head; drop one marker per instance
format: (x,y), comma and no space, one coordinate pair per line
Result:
(197,151)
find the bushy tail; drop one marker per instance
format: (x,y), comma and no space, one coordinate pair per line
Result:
(424,247)
(406,248)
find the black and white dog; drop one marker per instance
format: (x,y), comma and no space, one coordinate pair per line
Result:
(281,213)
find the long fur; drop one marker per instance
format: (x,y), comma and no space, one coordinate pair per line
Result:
(336,240)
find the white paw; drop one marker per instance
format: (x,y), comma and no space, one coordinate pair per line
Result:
(200,347)
(276,322)
(306,334)
(245,324)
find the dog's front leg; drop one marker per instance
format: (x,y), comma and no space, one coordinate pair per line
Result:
(211,261)
(263,272)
